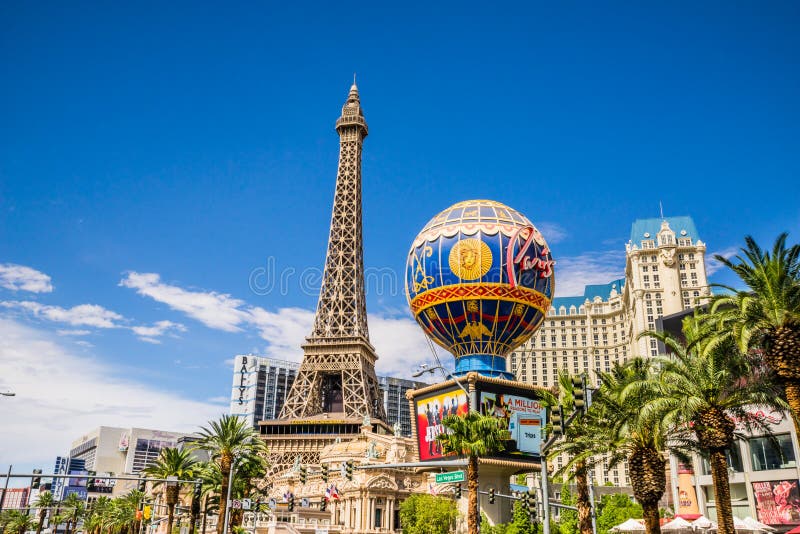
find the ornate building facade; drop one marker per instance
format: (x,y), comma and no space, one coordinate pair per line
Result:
(665,272)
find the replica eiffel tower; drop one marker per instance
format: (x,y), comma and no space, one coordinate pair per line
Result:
(335,393)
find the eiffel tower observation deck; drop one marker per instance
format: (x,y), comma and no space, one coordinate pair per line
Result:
(336,392)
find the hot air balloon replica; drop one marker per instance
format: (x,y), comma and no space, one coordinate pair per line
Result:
(479,281)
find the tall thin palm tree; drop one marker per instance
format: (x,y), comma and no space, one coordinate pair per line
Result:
(580,449)
(73,509)
(472,435)
(766,315)
(704,385)
(43,502)
(172,462)
(226,440)
(621,428)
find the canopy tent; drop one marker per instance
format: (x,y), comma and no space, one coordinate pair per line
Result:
(631,525)
(757,525)
(704,523)
(678,523)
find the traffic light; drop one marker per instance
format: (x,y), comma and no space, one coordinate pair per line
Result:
(491,495)
(90,484)
(291,502)
(142,484)
(530,502)
(303,474)
(36,480)
(323,504)
(324,473)
(349,469)
(457,492)
(196,498)
(579,393)
(147,513)
(557,419)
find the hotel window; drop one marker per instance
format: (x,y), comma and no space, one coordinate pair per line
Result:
(691,256)
(686,303)
(682,267)
(644,268)
(768,455)
(681,257)
(653,259)
(655,268)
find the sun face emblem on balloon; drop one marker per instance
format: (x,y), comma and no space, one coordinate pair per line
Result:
(470,259)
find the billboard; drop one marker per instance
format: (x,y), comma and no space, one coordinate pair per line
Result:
(430,410)
(777,502)
(524,417)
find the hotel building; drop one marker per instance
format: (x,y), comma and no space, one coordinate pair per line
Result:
(665,273)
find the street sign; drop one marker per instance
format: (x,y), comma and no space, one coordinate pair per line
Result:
(273,504)
(304,502)
(236,504)
(452,476)
(246,504)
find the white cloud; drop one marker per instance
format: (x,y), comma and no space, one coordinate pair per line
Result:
(552,232)
(573,273)
(19,277)
(215,310)
(150,333)
(712,265)
(60,395)
(81,315)
(399,342)
(73,332)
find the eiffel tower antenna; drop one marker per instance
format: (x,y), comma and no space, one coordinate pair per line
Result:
(337,374)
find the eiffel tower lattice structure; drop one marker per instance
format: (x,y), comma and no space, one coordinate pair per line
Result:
(337,374)
(335,394)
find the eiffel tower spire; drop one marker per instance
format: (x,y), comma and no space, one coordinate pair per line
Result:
(337,374)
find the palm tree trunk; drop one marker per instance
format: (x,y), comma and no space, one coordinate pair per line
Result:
(170,517)
(651,518)
(792,389)
(719,474)
(582,501)
(224,468)
(42,514)
(205,515)
(473,520)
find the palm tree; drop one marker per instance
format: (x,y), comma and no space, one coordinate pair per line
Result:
(56,520)
(472,435)
(580,446)
(704,386)
(172,462)
(73,510)
(767,315)
(623,432)
(43,502)
(226,440)
(19,522)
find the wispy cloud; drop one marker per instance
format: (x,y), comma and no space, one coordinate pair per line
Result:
(80,394)
(215,310)
(573,273)
(81,315)
(150,334)
(92,315)
(21,278)
(552,232)
(712,265)
(398,340)
(68,332)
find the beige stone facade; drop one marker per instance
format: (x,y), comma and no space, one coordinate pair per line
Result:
(665,272)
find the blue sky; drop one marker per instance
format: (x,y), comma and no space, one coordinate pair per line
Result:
(153,157)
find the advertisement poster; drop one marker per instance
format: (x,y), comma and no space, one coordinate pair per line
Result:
(430,411)
(777,502)
(524,417)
